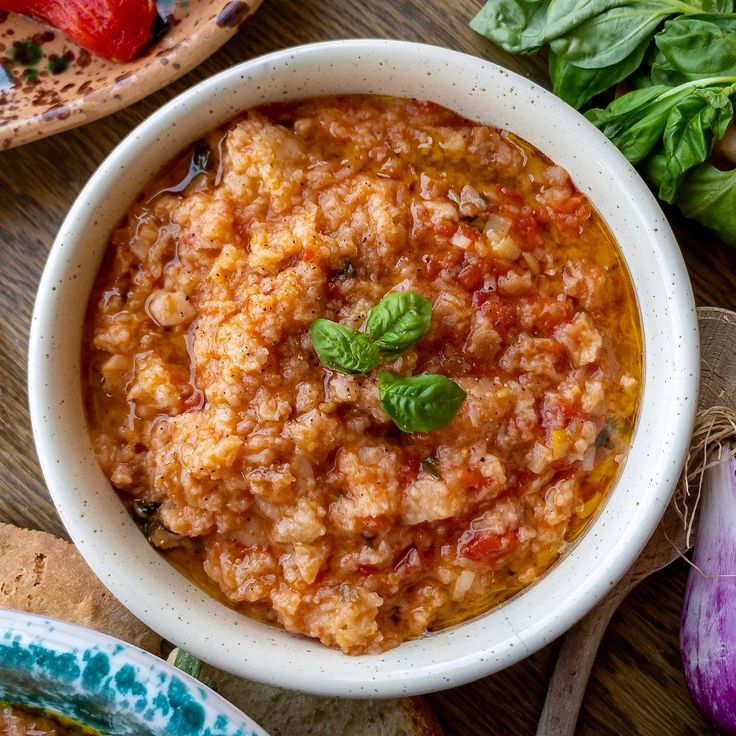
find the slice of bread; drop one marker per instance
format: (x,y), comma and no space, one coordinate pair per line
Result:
(286,713)
(42,574)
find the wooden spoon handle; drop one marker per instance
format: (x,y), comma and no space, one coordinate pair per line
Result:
(574,663)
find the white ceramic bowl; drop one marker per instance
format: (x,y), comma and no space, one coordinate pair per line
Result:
(117,551)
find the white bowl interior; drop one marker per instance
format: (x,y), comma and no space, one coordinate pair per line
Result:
(167,601)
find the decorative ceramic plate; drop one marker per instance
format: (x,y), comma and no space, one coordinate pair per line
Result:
(49,84)
(106,684)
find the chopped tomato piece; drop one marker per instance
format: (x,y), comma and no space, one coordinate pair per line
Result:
(446,229)
(526,227)
(570,213)
(471,276)
(473,478)
(376,524)
(510,197)
(575,204)
(544,312)
(484,546)
(409,468)
(469,232)
(423,537)
(434,266)
(410,564)
(500,314)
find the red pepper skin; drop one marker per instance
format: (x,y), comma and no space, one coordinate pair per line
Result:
(114,29)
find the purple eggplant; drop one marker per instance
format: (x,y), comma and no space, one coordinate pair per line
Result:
(708,625)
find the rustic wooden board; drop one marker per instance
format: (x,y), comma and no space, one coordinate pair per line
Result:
(637,686)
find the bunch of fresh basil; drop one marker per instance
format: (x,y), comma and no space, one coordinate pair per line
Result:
(680,58)
(420,403)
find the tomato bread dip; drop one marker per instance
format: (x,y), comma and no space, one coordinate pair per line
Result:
(283,486)
(18,721)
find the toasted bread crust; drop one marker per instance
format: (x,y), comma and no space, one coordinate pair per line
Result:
(284,713)
(422,717)
(42,574)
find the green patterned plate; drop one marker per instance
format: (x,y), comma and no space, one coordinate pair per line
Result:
(105,684)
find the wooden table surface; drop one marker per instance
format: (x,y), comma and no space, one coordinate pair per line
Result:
(637,686)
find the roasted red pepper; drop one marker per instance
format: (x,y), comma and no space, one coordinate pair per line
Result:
(114,29)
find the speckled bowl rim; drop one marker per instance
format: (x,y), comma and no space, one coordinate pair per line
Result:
(136,683)
(163,598)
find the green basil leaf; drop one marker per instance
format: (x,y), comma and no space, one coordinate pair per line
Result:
(591,34)
(341,348)
(662,72)
(598,33)
(654,168)
(614,117)
(577,86)
(683,122)
(643,135)
(515,25)
(708,195)
(718,6)
(693,125)
(641,78)
(636,121)
(398,321)
(697,47)
(594,34)
(420,403)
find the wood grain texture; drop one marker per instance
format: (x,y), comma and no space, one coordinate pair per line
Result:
(637,686)
(569,680)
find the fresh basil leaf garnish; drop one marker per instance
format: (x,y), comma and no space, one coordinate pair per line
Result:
(635,121)
(592,35)
(416,403)
(420,403)
(342,348)
(399,321)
